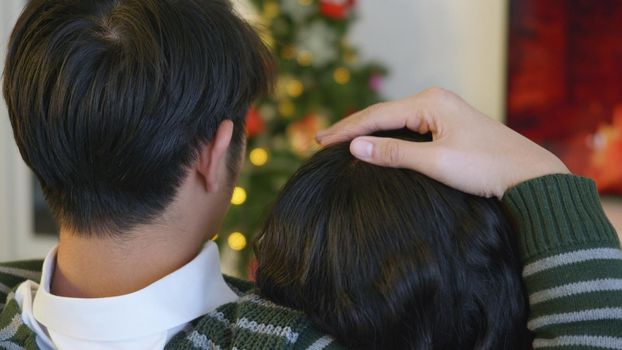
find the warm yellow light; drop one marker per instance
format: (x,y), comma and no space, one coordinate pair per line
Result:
(236,241)
(287,108)
(305,58)
(342,75)
(259,157)
(295,88)
(239,196)
(215,238)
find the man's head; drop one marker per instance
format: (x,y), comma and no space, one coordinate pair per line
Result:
(115,103)
(390,259)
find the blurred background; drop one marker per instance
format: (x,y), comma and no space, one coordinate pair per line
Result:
(552,70)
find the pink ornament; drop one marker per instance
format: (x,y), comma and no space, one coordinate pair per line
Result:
(375,82)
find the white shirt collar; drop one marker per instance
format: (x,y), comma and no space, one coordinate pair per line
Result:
(186,294)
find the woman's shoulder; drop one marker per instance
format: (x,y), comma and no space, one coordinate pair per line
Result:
(253,322)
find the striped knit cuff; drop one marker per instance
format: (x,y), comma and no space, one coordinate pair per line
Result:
(557,213)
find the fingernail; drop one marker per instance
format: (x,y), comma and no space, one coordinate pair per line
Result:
(362,148)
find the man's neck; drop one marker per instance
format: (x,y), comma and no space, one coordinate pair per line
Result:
(89,267)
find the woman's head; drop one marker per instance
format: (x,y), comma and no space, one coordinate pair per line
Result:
(389,258)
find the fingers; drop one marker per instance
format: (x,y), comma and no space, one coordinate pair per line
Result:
(383,116)
(418,113)
(418,156)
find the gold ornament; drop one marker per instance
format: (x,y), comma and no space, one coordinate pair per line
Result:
(305,58)
(295,88)
(287,109)
(259,157)
(237,241)
(342,75)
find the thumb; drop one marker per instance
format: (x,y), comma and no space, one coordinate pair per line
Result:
(394,153)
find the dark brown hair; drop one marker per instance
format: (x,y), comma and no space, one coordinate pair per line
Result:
(391,259)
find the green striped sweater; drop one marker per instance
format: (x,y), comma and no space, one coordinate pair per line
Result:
(572,270)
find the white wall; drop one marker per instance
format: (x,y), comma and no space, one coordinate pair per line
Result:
(456,44)
(9,10)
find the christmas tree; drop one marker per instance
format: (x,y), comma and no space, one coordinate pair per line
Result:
(320,80)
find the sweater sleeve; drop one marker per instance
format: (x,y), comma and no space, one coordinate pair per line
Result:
(572,263)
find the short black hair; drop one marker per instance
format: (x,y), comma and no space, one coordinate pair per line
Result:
(110,100)
(390,259)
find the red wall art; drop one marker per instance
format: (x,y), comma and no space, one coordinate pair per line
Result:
(565,83)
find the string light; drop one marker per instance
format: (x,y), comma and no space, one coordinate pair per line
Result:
(295,88)
(259,157)
(287,108)
(305,58)
(342,75)
(237,241)
(239,196)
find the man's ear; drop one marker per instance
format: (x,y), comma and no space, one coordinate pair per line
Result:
(213,156)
